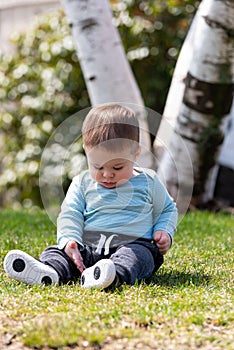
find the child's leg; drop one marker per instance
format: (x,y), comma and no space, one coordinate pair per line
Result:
(54,266)
(136,261)
(61,263)
(65,267)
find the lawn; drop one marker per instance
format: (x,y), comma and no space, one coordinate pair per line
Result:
(188,304)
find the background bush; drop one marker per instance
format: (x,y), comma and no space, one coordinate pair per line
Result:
(42,83)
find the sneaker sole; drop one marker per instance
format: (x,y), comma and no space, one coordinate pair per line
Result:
(99,276)
(23,267)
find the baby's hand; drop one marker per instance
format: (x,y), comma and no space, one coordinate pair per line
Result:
(163,241)
(72,251)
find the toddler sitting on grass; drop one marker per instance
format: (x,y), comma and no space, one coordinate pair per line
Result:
(117,220)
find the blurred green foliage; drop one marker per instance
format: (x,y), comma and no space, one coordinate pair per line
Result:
(42,83)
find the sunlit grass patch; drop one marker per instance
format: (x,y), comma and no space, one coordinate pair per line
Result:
(187,304)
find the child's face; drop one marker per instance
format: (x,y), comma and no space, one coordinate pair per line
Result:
(111,169)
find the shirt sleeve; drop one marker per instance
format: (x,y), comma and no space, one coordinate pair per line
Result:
(70,221)
(165,211)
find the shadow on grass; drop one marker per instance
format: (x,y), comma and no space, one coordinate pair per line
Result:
(179,279)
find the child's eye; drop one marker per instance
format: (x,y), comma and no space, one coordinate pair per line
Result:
(97,167)
(118,168)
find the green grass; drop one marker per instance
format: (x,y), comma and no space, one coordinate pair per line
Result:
(188,304)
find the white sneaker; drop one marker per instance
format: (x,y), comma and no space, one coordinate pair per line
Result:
(23,267)
(100,275)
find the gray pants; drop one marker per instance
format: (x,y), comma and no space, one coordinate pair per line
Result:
(134,261)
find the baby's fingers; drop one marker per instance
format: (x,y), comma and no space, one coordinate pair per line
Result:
(73,252)
(78,260)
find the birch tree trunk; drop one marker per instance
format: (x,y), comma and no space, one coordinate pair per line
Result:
(205,99)
(106,71)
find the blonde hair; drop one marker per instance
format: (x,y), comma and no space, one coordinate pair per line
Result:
(109,122)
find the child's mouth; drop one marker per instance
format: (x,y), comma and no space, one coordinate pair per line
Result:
(109,184)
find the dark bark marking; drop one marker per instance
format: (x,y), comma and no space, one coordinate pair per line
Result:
(92,78)
(84,24)
(208,98)
(215,24)
(88,23)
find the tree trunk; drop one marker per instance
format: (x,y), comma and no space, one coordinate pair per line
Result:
(106,71)
(206,99)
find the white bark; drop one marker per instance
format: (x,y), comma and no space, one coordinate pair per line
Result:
(208,65)
(176,91)
(107,73)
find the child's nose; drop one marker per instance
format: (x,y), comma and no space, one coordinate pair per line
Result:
(108,174)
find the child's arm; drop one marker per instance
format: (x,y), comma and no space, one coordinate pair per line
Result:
(70,221)
(72,251)
(163,240)
(165,216)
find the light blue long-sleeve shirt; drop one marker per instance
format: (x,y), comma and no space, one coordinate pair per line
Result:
(137,208)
